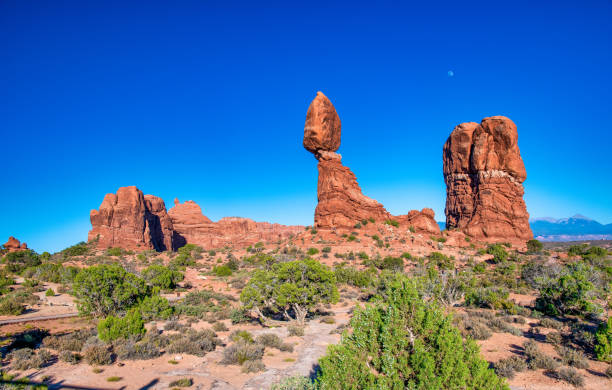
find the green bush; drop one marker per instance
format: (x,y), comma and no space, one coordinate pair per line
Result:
(312,251)
(162,277)
(499,253)
(534,246)
(295,285)
(50,293)
(9,306)
(326,249)
(19,261)
(441,261)
(155,308)
(603,337)
(79,249)
(570,293)
(114,251)
(392,222)
(355,277)
(51,272)
(392,263)
(195,343)
(489,297)
(107,289)
(405,342)
(112,328)
(184,382)
(222,270)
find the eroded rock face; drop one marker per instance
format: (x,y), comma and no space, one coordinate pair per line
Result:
(341,202)
(191,226)
(13,245)
(322,127)
(131,220)
(484,172)
(420,221)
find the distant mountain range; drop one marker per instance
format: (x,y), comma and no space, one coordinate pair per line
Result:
(575,228)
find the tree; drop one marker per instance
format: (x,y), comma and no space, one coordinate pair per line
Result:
(534,246)
(405,341)
(162,277)
(107,289)
(296,286)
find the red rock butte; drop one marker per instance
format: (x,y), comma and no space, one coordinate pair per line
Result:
(341,203)
(13,245)
(131,220)
(484,175)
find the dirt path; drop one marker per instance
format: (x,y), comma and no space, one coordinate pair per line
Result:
(37,318)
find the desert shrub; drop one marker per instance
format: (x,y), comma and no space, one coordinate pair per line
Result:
(51,272)
(98,354)
(9,306)
(145,349)
(113,328)
(197,343)
(183,382)
(405,341)
(509,366)
(107,289)
(551,323)
(312,251)
(26,358)
(295,285)
(570,293)
(175,325)
(241,335)
(295,330)
(477,330)
(572,357)
(294,383)
(489,297)
(19,261)
(326,249)
(200,303)
(72,342)
(79,249)
(155,308)
(603,338)
(355,277)
(50,293)
(499,325)
(222,270)
(232,263)
(554,338)
(220,327)
(536,358)
(534,246)
(162,277)
(441,261)
(392,222)
(499,253)
(239,316)
(114,252)
(240,352)
(70,357)
(392,263)
(252,366)
(569,375)
(608,371)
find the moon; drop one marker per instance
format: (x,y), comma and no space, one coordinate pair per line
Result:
(451,73)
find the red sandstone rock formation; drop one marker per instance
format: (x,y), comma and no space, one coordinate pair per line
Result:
(484,172)
(421,221)
(341,202)
(13,245)
(322,127)
(191,226)
(131,220)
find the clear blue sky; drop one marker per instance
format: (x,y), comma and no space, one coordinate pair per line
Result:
(207,102)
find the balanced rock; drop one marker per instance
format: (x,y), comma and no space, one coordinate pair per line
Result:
(484,175)
(13,245)
(131,220)
(322,127)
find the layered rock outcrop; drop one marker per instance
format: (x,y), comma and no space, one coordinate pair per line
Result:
(484,175)
(191,226)
(131,220)
(341,204)
(13,245)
